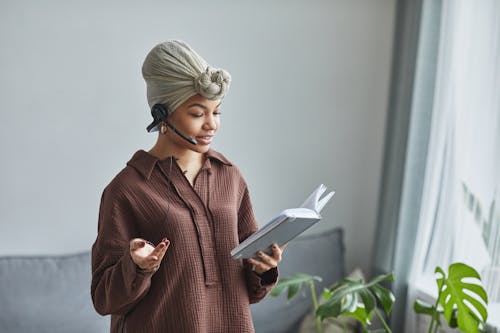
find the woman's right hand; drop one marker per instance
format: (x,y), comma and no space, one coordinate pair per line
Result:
(145,255)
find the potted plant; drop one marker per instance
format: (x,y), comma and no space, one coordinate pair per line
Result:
(361,300)
(348,297)
(461,303)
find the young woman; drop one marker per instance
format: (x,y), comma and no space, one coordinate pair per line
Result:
(168,221)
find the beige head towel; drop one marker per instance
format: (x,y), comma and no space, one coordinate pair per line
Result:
(174,72)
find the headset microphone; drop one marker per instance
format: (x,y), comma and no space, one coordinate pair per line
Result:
(160,114)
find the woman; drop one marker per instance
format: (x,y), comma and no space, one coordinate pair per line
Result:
(169,220)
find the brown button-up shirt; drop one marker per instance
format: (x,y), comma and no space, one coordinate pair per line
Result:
(198,288)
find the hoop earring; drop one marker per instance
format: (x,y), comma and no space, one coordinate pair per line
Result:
(163,129)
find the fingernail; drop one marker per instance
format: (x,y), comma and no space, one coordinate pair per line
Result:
(162,244)
(275,247)
(141,244)
(164,240)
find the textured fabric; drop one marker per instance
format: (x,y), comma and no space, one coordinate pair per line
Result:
(47,294)
(198,287)
(174,72)
(408,127)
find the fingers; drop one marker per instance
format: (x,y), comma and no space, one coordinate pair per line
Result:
(258,266)
(277,252)
(155,257)
(267,259)
(261,265)
(160,250)
(266,262)
(151,257)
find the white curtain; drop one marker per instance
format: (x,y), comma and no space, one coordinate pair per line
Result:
(460,212)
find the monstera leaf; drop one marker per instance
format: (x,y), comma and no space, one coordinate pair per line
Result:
(294,283)
(357,299)
(456,295)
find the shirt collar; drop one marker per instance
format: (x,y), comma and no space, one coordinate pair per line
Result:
(144,162)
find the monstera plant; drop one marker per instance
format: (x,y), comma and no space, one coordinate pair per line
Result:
(461,303)
(347,297)
(358,299)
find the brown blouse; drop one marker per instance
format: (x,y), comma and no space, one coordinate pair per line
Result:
(198,288)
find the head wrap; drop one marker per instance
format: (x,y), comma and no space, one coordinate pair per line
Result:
(174,72)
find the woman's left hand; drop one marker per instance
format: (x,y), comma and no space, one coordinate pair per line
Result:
(265,261)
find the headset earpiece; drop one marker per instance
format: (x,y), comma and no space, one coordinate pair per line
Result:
(159,113)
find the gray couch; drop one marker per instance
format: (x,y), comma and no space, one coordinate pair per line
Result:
(51,294)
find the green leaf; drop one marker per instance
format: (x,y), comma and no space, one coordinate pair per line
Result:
(452,297)
(350,303)
(360,315)
(350,296)
(368,300)
(329,309)
(423,308)
(292,290)
(439,281)
(385,296)
(294,282)
(327,293)
(381,278)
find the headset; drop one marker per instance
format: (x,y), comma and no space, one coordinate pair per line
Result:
(160,113)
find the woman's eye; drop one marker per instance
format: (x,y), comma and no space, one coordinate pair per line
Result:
(198,115)
(217,113)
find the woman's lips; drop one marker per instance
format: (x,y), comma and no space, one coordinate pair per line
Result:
(204,140)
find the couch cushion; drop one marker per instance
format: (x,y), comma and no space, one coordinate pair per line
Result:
(48,294)
(321,255)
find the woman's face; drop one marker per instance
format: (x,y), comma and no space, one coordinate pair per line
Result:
(197,118)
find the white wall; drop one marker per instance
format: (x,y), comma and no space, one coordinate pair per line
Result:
(307,106)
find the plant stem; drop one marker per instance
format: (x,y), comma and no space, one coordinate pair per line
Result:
(383,321)
(436,313)
(436,328)
(315,304)
(431,325)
